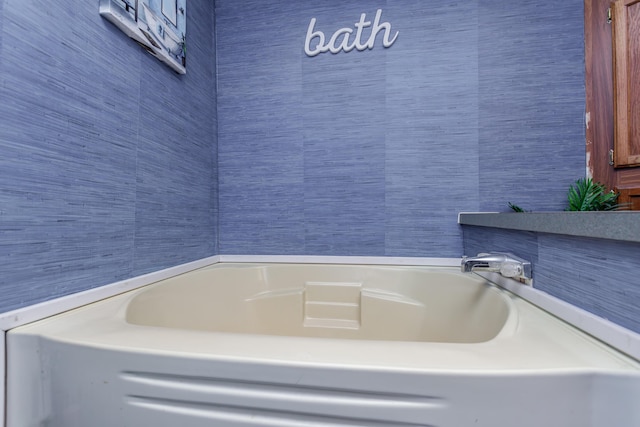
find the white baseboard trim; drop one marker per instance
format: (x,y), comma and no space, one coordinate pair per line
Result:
(312,259)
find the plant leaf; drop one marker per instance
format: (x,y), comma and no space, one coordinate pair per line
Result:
(587,195)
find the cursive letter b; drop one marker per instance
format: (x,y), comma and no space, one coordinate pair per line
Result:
(311,34)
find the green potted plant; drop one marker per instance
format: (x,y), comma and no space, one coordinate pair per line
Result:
(587,195)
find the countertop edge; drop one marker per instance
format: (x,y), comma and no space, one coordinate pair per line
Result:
(622,226)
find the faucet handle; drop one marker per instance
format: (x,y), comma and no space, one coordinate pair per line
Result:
(511,269)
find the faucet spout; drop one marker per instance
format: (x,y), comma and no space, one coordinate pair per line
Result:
(506,264)
(485,262)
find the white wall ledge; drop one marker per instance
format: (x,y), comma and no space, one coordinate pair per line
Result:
(614,225)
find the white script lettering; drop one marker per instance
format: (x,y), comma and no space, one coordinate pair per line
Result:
(341,39)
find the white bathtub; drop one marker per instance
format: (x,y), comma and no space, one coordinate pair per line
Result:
(246,345)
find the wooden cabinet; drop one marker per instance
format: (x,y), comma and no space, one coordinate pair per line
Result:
(625,35)
(630,197)
(612,61)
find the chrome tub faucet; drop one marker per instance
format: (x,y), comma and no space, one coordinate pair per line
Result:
(508,265)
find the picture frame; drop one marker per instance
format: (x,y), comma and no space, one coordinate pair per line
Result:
(159,26)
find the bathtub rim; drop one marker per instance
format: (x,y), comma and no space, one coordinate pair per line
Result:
(618,337)
(540,341)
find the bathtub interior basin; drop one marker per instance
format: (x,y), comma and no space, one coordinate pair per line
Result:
(353,302)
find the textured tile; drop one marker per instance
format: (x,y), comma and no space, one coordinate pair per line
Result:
(73,147)
(108,165)
(375,152)
(261,171)
(594,274)
(483,239)
(344,153)
(431,128)
(531,121)
(1,23)
(597,275)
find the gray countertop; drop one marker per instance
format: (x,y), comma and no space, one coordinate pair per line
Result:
(622,225)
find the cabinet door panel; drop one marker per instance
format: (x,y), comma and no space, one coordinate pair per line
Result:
(626,71)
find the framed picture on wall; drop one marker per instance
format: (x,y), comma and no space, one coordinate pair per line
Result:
(159,26)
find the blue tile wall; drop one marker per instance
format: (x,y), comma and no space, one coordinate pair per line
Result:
(107,157)
(263,168)
(532,103)
(374,152)
(112,166)
(1,20)
(597,275)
